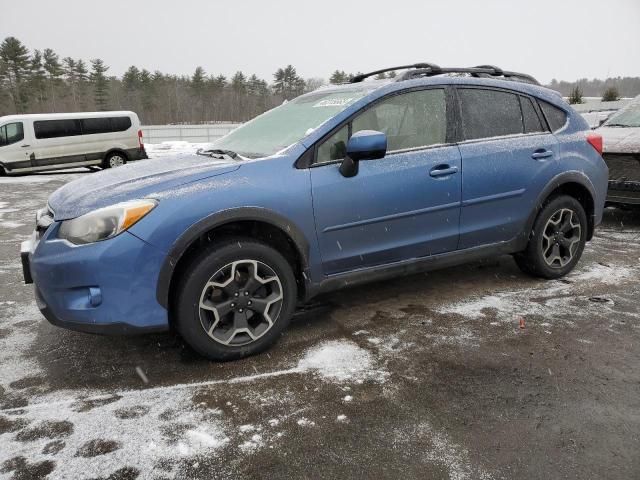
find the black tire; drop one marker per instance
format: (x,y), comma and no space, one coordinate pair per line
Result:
(533,261)
(191,287)
(110,160)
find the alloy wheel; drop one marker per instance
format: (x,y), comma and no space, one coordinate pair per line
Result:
(240,302)
(561,238)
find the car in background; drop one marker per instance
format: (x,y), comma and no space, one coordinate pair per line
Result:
(32,143)
(344,185)
(621,151)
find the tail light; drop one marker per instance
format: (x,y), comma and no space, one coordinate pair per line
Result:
(595,140)
(140,143)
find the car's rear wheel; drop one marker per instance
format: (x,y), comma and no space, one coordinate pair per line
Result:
(114,160)
(557,240)
(234,299)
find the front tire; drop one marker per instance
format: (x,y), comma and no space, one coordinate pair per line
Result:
(234,299)
(557,240)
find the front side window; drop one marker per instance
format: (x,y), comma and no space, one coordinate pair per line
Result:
(11,133)
(409,120)
(489,113)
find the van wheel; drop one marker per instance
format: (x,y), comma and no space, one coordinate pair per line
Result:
(557,241)
(234,299)
(114,160)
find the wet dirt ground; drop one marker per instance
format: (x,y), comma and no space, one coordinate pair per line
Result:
(429,376)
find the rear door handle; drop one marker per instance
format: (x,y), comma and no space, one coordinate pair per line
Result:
(442,170)
(541,154)
(25,146)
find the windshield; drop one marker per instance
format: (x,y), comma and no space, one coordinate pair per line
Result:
(627,117)
(284,125)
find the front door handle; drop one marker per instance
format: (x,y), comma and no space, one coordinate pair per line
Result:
(541,154)
(25,146)
(442,170)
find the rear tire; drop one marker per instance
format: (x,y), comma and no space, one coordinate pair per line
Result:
(557,240)
(234,299)
(113,160)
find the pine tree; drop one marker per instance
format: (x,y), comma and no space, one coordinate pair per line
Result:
(51,64)
(82,77)
(100,83)
(338,77)
(38,80)
(381,76)
(14,71)
(69,72)
(239,83)
(287,83)
(576,95)
(611,94)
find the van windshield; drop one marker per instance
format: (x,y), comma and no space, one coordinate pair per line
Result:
(287,124)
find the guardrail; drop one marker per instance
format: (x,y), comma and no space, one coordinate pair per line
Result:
(186,133)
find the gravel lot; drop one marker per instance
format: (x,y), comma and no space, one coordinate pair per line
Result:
(427,377)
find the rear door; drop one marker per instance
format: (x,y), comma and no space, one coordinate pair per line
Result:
(405,205)
(508,156)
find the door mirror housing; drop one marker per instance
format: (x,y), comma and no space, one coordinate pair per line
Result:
(363,145)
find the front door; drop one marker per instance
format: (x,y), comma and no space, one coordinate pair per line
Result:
(15,150)
(403,206)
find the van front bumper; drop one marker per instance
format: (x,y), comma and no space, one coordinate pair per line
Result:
(105,287)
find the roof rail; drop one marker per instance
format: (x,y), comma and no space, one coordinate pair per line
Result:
(429,69)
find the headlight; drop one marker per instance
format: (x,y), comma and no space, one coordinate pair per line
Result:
(105,222)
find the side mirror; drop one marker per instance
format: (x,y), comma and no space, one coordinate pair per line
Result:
(363,145)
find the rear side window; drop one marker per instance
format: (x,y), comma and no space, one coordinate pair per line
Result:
(120,124)
(556,118)
(92,126)
(57,128)
(11,133)
(532,123)
(489,113)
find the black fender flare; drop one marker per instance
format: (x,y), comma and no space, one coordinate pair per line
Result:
(218,219)
(114,150)
(571,176)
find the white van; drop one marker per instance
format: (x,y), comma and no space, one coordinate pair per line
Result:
(31,143)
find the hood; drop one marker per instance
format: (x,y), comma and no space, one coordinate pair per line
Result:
(620,140)
(133,181)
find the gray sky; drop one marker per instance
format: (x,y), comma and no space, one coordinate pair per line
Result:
(564,39)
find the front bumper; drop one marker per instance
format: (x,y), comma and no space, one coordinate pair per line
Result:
(106,287)
(624,177)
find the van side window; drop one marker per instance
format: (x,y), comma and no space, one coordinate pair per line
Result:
(120,124)
(556,118)
(56,128)
(489,113)
(11,133)
(91,126)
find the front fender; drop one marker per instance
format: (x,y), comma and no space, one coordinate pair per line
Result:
(218,219)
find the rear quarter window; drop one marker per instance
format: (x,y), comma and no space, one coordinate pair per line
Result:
(556,117)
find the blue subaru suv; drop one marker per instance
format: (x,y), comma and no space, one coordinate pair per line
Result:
(344,185)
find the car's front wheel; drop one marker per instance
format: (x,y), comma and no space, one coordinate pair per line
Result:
(557,240)
(234,299)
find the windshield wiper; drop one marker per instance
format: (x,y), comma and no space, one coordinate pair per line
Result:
(218,153)
(616,125)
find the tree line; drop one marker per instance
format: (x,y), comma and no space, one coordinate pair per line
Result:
(43,82)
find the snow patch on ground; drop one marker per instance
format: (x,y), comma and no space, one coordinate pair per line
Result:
(13,365)
(340,361)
